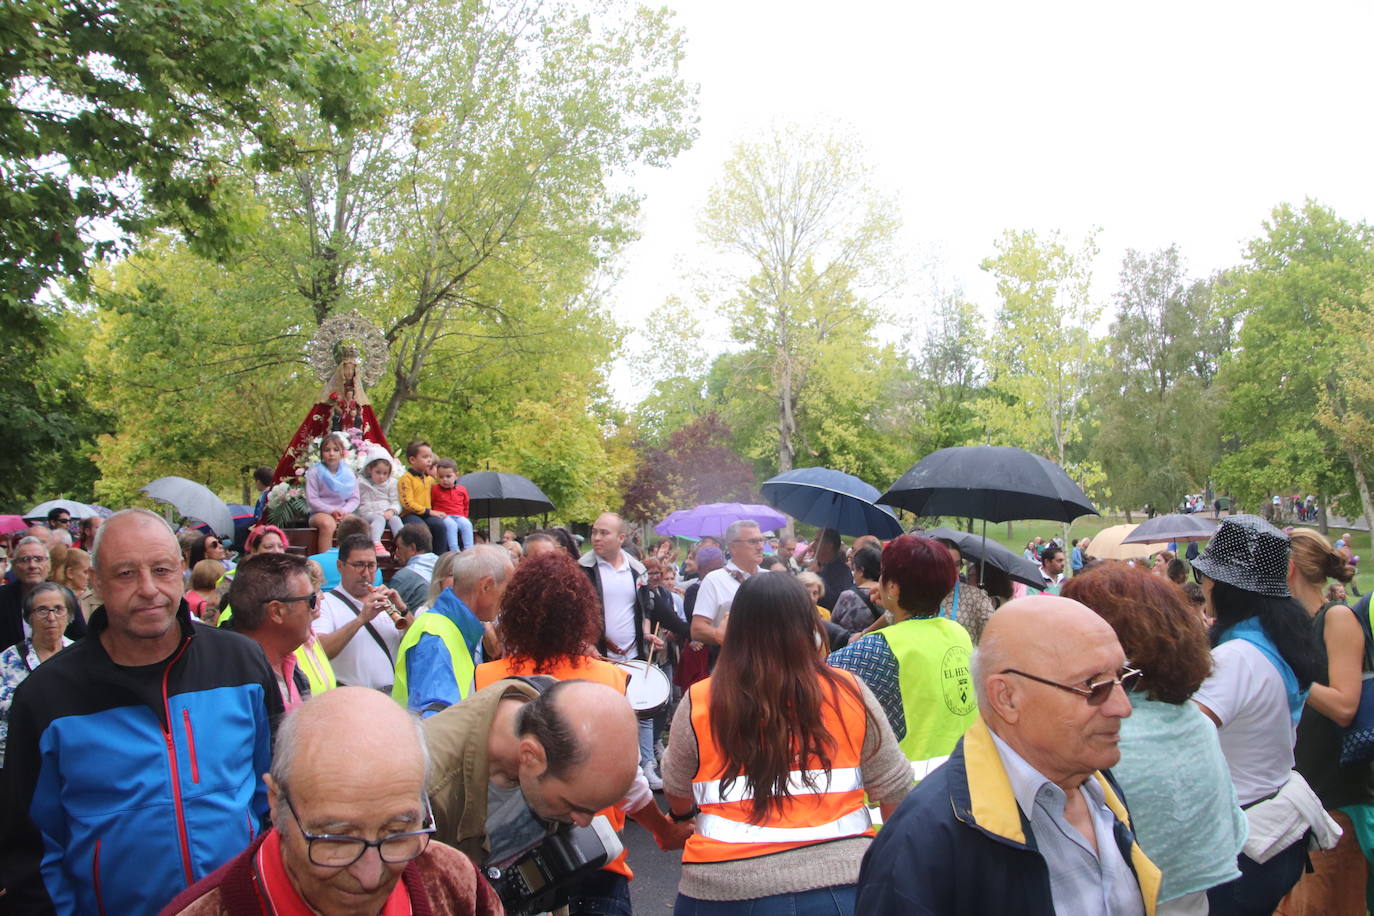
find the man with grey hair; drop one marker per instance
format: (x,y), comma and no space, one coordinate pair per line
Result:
(1024,817)
(744,541)
(351,825)
(441,650)
(31,567)
(134,756)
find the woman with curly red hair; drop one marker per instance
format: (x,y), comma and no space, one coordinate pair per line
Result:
(550,621)
(1183,803)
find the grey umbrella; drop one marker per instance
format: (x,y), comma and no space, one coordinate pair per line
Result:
(1175,527)
(194,501)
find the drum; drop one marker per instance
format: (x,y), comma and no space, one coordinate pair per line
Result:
(648,689)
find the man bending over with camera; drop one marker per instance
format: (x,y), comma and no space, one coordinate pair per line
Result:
(518,766)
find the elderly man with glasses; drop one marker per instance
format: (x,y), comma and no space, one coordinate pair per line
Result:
(1024,816)
(360,623)
(351,827)
(32,567)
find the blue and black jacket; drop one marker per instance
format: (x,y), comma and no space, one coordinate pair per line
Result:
(124,786)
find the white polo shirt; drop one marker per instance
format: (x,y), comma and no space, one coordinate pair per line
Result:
(717,593)
(618,602)
(362,663)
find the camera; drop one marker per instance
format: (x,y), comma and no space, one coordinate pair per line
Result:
(537,880)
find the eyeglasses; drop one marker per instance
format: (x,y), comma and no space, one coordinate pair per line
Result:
(363,567)
(66,520)
(1097,693)
(1197,575)
(329,851)
(35,561)
(311,599)
(51,613)
(752,542)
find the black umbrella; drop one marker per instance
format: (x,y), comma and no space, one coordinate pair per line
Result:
(495,495)
(994,483)
(991,553)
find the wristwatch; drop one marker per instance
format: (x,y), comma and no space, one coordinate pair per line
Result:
(684,817)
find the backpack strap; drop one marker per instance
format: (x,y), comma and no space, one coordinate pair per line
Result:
(357,612)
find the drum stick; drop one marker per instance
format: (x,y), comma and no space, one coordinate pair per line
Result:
(653,656)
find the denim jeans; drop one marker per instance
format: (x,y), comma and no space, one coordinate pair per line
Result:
(825,901)
(604,893)
(459,531)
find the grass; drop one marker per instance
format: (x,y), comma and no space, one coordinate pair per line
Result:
(1015,535)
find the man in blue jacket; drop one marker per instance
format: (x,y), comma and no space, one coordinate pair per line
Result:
(1022,819)
(135,757)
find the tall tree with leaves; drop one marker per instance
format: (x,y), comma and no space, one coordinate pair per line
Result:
(1041,354)
(1308,266)
(110,116)
(1157,437)
(812,240)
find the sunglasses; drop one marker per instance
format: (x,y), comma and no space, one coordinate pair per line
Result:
(1096,693)
(310,600)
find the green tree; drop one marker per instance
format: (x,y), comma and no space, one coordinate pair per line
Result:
(936,402)
(110,117)
(1308,264)
(812,239)
(1041,354)
(1157,437)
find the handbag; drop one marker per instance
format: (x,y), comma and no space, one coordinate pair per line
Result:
(1357,738)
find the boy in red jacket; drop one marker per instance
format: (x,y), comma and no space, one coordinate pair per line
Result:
(450,501)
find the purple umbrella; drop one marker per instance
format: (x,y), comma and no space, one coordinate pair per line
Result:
(711,519)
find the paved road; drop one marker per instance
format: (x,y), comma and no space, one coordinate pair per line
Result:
(656,872)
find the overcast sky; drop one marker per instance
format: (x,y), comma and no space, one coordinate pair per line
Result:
(1160,123)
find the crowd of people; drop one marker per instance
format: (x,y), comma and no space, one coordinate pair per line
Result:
(186,731)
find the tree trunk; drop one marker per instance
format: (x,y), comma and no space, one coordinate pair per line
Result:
(1361,484)
(786,429)
(1128,516)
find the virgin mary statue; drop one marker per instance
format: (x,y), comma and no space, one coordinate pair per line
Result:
(343,405)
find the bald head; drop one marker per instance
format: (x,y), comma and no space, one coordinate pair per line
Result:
(1054,726)
(579,750)
(42,532)
(146,527)
(352,734)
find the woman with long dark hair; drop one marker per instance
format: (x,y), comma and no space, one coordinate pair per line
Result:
(1265,659)
(776,739)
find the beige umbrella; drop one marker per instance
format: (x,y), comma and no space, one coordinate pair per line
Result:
(1106,545)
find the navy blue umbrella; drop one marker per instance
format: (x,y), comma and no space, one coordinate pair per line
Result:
(831,499)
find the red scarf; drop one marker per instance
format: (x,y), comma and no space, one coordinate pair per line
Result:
(282,896)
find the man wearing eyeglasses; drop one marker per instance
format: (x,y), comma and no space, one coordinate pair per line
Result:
(357,622)
(745,544)
(273,604)
(1024,818)
(352,830)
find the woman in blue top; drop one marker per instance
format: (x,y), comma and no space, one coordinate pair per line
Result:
(1266,657)
(1183,804)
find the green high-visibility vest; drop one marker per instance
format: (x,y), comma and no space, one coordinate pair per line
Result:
(318,671)
(437,624)
(937,687)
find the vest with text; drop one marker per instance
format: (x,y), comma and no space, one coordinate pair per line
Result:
(938,702)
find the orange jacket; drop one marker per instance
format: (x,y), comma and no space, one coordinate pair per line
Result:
(833,810)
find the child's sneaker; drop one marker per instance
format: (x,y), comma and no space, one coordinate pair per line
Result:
(381,551)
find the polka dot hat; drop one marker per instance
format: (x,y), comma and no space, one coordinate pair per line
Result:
(1249,553)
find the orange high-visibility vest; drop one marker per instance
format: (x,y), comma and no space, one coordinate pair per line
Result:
(582,668)
(833,810)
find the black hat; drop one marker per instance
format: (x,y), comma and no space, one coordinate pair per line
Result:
(1250,554)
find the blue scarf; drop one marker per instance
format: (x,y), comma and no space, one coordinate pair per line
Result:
(452,607)
(341,482)
(1252,632)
